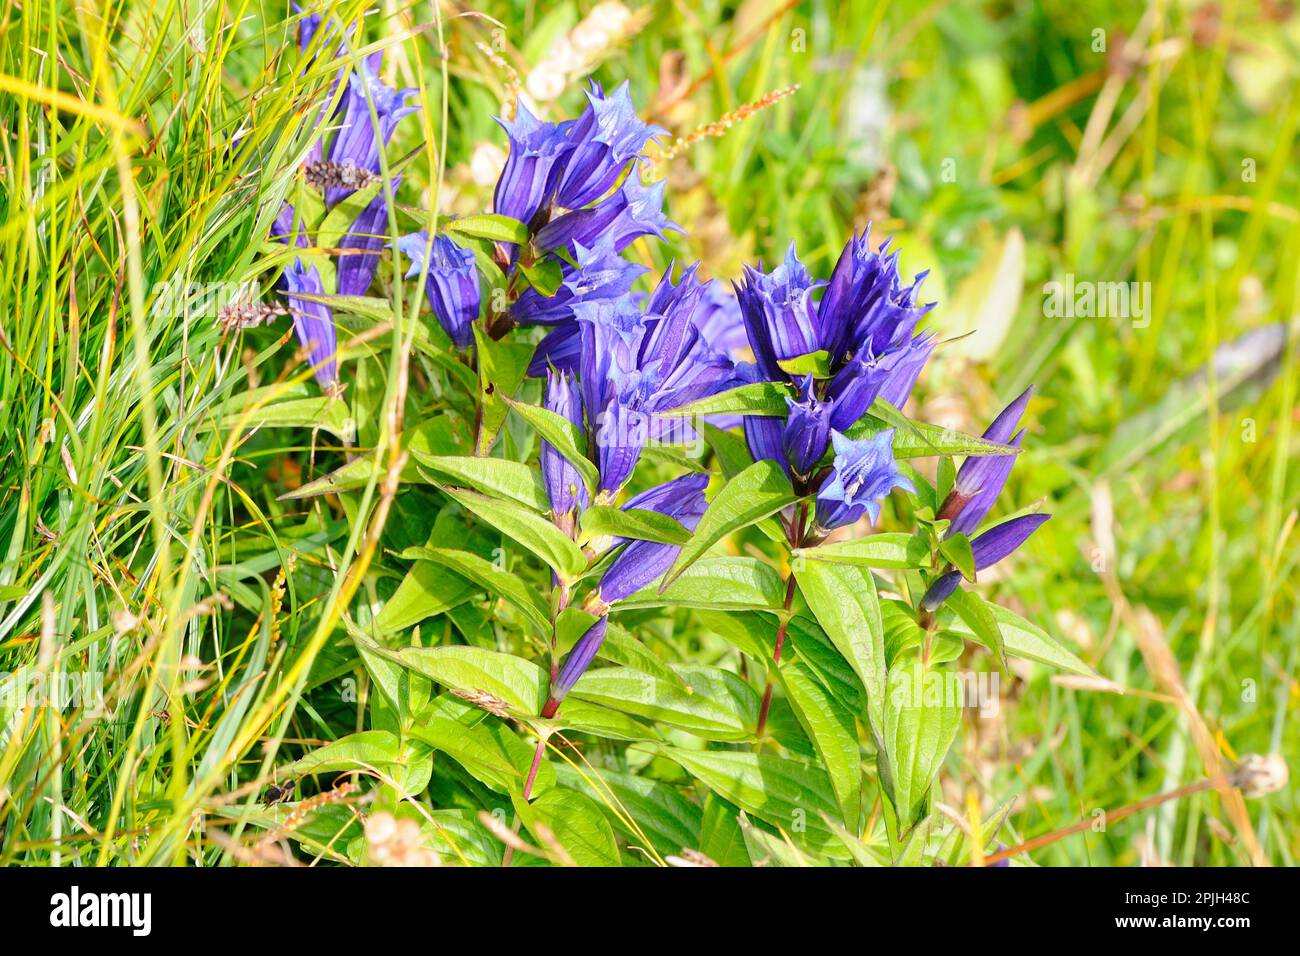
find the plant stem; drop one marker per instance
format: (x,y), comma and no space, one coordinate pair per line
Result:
(796,536)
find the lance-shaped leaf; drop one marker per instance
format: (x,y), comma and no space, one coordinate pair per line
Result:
(520,683)
(432,436)
(970,607)
(893,549)
(783,791)
(495,477)
(713,704)
(490,750)
(574,822)
(921,720)
(722,583)
(843,599)
(427,589)
(527,529)
(565,437)
(497,582)
(602,520)
(756,398)
(488,226)
(760,490)
(657,811)
(1021,638)
(830,727)
(921,439)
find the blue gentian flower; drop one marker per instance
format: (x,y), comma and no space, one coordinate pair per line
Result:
(528,180)
(863,473)
(368,233)
(313,322)
(779,314)
(602,142)
(981,478)
(564,486)
(639,563)
(599,273)
(633,211)
(358,141)
(866,304)
(636,363)
(807,429)
(987,549)
(451,282)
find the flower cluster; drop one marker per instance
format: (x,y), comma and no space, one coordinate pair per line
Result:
(366,116)
(618,362)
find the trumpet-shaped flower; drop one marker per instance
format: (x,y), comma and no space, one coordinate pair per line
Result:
(602,143)
(313,322)
(863,473)
(451,282)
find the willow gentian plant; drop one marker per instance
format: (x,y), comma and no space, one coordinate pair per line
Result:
(566,490)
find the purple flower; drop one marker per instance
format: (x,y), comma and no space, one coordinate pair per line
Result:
(779,314)
(987,549)
(528,179)
(807,429)
(863,473)
(283,228)
(313,322)
(719,320)
(866,304)
(905,362)
(564,486)
(764,434)
(633,211)
(637,565)
(636,363)
(602,142)
(981,478)
(642,562)
(451,282)
(367,233)
(359,140)
(599,273)
(999,541)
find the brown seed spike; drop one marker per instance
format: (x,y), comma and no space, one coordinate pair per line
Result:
(723,123)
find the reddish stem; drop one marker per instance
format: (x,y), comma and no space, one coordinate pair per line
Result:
(776,659)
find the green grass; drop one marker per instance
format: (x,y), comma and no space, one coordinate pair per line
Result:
(141,517)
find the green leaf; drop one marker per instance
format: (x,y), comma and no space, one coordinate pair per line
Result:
(957,550)
(707,701)
(526,528)
(427,589)
(659,812)
(488,749)
(721,839)
(921,721)
(786,792)
(978,616)
(603,520)
(497,582)
(921,439)
(816,364)
(494,477)
(831,729)
(565,437)
(328,414)
(341,218)
(434,435)
(489,226)
(894,549)
(760,490)
(1020,638)
(575,823)
(843,599)
(545,275)
(502,366)
(520,683)
(722,583)
(369,748)
(756,398)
